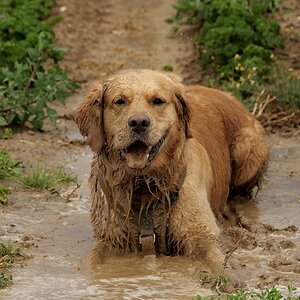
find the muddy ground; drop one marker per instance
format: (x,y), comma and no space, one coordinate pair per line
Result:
(105,36)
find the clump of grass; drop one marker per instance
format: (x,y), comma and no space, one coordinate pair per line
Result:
(270,294)
(8,252)
(4,191)
(33,177)
(8,168)
(5,280)
(40,178)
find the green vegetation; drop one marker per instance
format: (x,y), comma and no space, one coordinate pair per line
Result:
(4,281)
(8,168)
(4,191)
(270,294)
(220,282)
(237,40)
(33,177)
(8,253)
(167,68)
(37,177)
(30,78)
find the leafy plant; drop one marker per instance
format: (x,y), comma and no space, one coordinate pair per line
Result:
(235,38)
(30,78)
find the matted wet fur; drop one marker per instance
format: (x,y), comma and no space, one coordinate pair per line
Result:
(174,150)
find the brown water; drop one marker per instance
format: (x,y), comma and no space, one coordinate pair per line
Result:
(60,236)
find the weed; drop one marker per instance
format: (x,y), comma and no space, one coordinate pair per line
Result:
(40,178)
(30,78)
(33,177)
(5,133)
(8,252)
(4,191)
(167,68)
(8,168)
(220,282)
(270,294)
(5,280)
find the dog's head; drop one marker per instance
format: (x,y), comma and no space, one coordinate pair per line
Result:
(135,113)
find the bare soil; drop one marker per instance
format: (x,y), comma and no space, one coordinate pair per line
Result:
(103,37)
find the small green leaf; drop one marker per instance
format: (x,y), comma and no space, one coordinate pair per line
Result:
(52,114)
(3,122)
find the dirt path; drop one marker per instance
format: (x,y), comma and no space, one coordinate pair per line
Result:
(105,37)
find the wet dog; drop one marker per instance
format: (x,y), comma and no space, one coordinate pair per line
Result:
(167,157)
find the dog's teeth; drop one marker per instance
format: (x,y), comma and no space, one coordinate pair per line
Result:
(147,156)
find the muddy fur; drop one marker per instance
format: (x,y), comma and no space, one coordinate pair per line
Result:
(212,147)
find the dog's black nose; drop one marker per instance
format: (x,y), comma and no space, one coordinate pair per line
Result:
(139,124)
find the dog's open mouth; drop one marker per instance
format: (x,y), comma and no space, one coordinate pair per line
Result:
(138,154)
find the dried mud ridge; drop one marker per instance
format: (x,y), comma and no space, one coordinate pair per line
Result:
(55,226)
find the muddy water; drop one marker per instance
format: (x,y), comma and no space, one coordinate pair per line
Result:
(60,237)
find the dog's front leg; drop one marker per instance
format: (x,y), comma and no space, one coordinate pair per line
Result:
(192,224)
(193,227)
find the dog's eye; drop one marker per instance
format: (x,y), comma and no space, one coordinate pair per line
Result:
(158,101)
(120,101)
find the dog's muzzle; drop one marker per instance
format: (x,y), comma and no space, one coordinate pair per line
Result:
(139,151)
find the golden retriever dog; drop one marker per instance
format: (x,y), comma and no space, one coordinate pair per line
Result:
(167,157)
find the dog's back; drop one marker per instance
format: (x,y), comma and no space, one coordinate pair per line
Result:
(233,139)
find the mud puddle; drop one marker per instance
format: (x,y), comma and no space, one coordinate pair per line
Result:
(59,236)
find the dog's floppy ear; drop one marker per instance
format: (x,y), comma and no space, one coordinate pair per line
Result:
(184,113)
(89,117)
(182,107)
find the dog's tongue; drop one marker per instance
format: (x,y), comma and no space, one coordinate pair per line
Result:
(137,155)
(137,160)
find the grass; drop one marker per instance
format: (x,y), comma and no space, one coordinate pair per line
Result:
(43,179)
(4,191)
(8,168)
(5,281)
(269,294)
(33,177)
(8,252)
